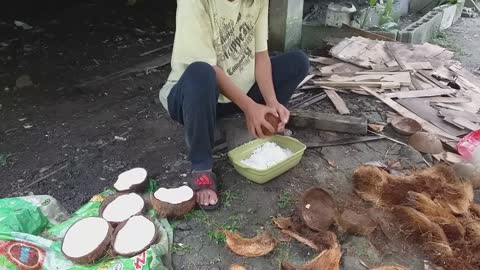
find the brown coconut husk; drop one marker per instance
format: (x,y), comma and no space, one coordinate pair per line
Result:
(155,239)
(258,246)
(274,121)
(96,254)
(475,210)
(390,268)
(357,224)
(369,181)
(109,200)
(167,210)
(317,209)
(457,197)
(329,259)
(472,235)
(424,204)
(396,191)
(453,229)
(443,173)
(421,230)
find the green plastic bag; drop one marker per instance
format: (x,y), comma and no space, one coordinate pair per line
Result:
(31,233)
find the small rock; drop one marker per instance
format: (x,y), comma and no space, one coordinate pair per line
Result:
(30,193)
(23,25)
(351,263)
(27,126)
(21,180)
(23,81)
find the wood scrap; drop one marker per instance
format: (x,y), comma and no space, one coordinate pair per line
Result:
(328,122)
(337,102)
(156,50)
(462,72)
(383,85)
(449,157)
(425,75)
(421,107)
(142,67)
(376,127)
(309,102)
(395,56)
(406,113)
(449,106)
(324,60)
(466,115)
(346,141)
(449,119)
(422,93)
(466,123)
(339,68)
(307,79)
(360,32)
(403,78)
(420,65)
(450,100)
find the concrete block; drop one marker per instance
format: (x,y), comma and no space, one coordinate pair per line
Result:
(401,7)
(418,6)
(460,5)
(286,20)
(373,14)
(337,14)
(422,30)
(448,15)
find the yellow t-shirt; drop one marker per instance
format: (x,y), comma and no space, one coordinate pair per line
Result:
(219,32)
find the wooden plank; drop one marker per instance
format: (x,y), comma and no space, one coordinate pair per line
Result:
(339,68)
(467,115)
(449,106)
(460,71)
(366,34)
(307,78)
(401,77)
(420,65)
(324,60)
(427,76)
(449,120)
(467,124)
(395,56)
(427,126)
(328,122)
(421,93)
(337,101)
(450,99)
(422,108)
(386,85)
(345,141)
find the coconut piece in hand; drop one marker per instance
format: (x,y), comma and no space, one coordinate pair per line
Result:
(87,240)
(120,207)
(134,180)
(173,202)
(134,236)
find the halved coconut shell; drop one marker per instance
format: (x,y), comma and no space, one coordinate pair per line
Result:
(121,202)
(317,209)
(174,202)
(426,143)
(406,126)
(140,240)
(79,232)
(134,180)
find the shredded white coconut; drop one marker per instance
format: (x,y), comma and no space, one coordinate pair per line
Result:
(267,155)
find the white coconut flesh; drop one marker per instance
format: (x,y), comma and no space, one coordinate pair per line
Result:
(174,195)
(123,207)
(137,233)
(85,237)
(130,178)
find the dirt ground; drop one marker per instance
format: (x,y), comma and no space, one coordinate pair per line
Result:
(71,142)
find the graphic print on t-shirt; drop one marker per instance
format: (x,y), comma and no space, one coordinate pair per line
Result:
(233,43)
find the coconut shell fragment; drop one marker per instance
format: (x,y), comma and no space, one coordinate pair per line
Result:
(426,143)
(357,224)
(258,246)
(87,240)
(236,267)
(329,259)
(317,209)
(134,180)
(119,207)
(174,202)
(134,236)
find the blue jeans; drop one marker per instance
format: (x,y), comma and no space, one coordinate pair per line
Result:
(193,101)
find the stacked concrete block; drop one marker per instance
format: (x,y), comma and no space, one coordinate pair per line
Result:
(286,20)
(460,5)
(422,30)
(337,14)
(448,15)
(419,6)
(401,8)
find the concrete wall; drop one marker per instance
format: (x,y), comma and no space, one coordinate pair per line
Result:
(286,18)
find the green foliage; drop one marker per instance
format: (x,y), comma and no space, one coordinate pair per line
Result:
(228,197)
(3,160)
(219,237)
(284,200)
(179,247)
(198,216)
(372,2)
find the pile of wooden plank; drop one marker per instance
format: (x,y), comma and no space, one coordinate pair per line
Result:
(422,82)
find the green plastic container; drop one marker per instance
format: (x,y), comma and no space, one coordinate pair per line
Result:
(262,176)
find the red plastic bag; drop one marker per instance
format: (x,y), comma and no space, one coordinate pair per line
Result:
(469,144)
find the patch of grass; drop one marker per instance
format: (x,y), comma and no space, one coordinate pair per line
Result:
(228,197)
(442,39)
(284,200)
(281,252)
(179,247)
(3,160)
(199,216)
(219,237)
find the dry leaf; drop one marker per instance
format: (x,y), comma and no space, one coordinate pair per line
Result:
(376,128)
(327,260)
(258,246)
(236,267)
(283,223)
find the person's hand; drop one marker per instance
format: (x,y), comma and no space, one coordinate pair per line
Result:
(255,116)
(282,112)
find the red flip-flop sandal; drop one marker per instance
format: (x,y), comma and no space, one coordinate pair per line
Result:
(202,180)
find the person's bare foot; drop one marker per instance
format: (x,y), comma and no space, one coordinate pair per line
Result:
(207,197)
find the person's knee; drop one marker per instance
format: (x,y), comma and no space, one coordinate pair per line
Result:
(301,61)
(203,83)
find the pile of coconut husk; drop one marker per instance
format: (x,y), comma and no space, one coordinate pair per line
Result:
(122,227)
(432,208)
